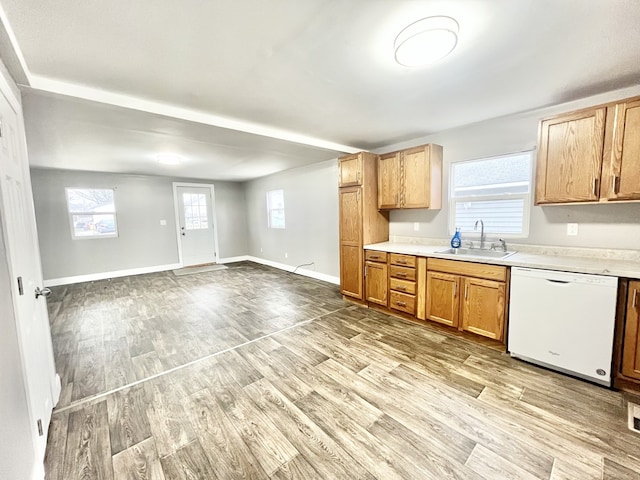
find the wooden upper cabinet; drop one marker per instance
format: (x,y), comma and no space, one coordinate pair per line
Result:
(621,169)
(631,345)
(570,157)
(591,155)
(483,307)
(411,178)
(389,181)
(350,170)
(417,167)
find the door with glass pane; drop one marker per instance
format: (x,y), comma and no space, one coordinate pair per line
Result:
(195,216)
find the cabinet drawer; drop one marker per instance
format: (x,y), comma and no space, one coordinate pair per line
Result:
(403,260)
(403,302)
(403,286)
(469,269)
(403,273)
(375,256)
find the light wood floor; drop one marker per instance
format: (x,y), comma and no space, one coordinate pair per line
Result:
(281,378)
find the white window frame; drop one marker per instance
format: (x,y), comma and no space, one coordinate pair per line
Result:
(270,209)
(70,215)
(526,197)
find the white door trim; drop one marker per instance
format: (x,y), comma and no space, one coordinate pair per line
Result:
(176,207)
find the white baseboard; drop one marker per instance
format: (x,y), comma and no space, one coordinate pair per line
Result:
(301,271)
(241,258)
(55,282)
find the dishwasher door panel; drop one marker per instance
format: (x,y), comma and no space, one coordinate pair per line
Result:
(564,322)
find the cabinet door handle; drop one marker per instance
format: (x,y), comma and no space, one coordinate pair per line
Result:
(455,290)
(635,299)
(466,291)
(595,186)
(615,184)
(401,304)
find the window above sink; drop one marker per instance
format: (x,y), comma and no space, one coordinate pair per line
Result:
(496,190)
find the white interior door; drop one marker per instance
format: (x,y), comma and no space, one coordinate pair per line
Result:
(195,218)
(23,255)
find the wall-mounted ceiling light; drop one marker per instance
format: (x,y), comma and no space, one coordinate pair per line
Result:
(426,41)
(169,159)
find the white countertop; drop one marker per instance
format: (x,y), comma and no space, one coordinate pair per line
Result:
(593,265)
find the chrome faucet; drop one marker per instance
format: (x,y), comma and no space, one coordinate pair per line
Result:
(475,227)
(502,244)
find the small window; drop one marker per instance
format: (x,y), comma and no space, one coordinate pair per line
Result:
(495,190)
(92,212)
(195,211)
(275,208)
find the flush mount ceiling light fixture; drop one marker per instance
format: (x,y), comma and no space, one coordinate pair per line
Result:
(169,159)
(426,41)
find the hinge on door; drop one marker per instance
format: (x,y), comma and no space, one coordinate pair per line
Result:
(20,287)
(40,431)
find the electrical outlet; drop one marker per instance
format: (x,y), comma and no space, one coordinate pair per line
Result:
(286,255)
(416,227)
(572,229)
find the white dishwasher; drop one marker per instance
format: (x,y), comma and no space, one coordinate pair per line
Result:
(563,321)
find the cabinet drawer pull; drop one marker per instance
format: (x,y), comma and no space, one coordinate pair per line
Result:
(374,257)
(398,287)
(400,274)
(635,299)
(401,304)
(402,262)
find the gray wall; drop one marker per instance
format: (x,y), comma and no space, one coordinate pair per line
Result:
(610,226)
(311,218)
(141,202)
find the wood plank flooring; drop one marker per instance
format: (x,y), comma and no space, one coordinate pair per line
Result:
(253,373)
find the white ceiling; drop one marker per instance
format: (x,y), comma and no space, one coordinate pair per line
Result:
(323,70)
(77,134)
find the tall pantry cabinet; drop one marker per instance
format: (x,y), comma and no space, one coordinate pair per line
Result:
(360,221)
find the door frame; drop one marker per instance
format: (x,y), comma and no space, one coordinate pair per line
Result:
(176,207)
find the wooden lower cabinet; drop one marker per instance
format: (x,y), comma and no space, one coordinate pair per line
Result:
(350,270)
(483,307)
(376,283)
(471,304)
(403,302)
(442,298)
(631,345)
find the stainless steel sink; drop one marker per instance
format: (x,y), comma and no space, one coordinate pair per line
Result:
(476,252)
